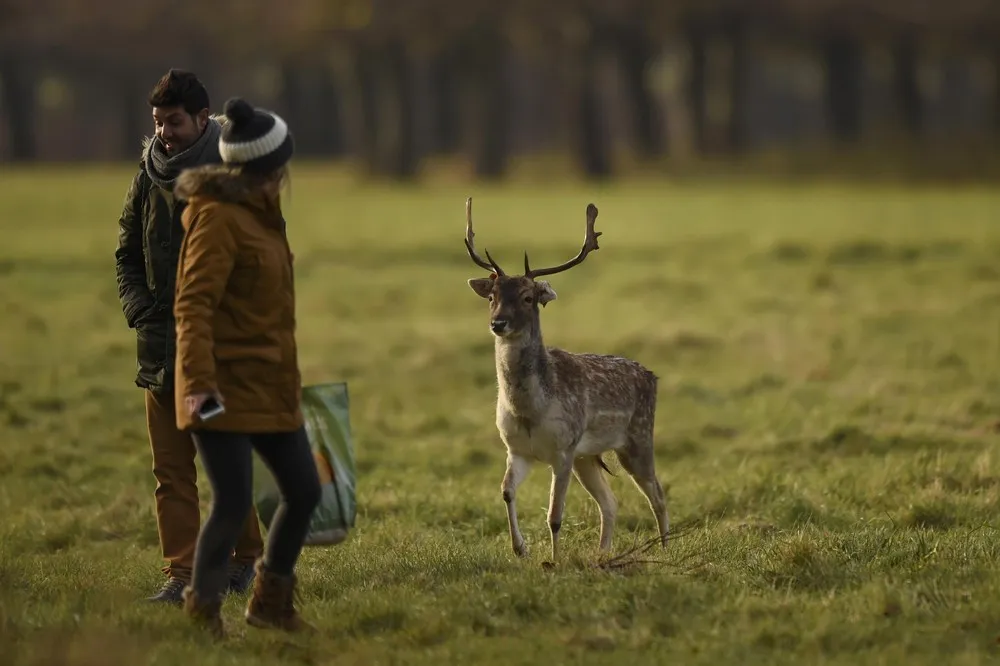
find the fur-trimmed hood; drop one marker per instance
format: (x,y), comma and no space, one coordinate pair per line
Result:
(221,183)
(216,181)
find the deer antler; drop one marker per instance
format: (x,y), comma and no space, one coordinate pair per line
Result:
(470,246)
(589,245)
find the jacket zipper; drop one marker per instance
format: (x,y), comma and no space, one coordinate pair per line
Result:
(169,306)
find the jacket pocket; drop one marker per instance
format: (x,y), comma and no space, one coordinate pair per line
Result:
(245,280)
(151,351)
(255,386)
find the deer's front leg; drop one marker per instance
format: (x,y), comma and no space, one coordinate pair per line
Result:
(562,469)
(517,471)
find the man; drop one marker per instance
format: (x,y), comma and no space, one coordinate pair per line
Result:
(149,240)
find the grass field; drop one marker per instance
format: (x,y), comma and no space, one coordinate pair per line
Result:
(828,418)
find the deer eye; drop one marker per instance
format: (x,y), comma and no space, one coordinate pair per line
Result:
(529,299)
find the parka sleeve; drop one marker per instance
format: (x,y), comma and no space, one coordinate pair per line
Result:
(207,256)
(130,265)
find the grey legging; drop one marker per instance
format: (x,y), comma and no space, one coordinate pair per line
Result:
(228,461)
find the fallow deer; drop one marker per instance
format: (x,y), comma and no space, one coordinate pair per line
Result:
(561,408)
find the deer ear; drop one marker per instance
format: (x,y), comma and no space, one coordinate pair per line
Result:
(482,286)
(545,292)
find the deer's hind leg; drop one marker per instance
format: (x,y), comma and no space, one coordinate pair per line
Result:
(589,474)
(637,459)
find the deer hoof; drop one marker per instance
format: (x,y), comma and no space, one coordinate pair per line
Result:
(548,566)
(521,550)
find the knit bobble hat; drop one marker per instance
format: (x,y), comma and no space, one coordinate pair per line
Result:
(255,139)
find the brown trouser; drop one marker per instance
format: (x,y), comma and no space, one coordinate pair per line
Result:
(178,518)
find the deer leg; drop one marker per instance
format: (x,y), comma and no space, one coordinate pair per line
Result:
(638,462)
(517,471)
(591,477)
(562,471)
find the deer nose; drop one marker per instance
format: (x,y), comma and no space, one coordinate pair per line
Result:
(498,325)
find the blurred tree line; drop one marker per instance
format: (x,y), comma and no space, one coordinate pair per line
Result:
(393,83)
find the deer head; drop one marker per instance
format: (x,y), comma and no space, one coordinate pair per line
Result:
(514,299)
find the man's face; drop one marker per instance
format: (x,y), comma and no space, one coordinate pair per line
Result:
(176,128)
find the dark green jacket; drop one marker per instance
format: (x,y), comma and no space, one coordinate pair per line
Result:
(149,241)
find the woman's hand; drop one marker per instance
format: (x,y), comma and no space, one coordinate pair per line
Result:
(194,402)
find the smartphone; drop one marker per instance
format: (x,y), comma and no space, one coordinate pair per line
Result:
(210,409)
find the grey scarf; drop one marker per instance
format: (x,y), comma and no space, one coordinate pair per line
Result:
(163,169)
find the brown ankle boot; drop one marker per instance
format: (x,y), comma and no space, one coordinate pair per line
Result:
(272,604)
(205,613)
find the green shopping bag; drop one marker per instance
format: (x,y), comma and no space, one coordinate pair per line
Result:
(326,409)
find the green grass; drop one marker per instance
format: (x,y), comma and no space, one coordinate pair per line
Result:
(827,428)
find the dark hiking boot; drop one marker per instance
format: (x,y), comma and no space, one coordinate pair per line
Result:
(206,613)
(273,603)
(171,592)
(241,577)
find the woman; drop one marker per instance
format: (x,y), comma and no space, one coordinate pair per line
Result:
(235,313)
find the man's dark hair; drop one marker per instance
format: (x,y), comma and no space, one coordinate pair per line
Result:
(179,88)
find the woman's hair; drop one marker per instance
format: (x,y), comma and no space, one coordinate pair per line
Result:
(280,176)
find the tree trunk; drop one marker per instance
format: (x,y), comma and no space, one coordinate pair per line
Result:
(133,100)
(635,53)
(402,154)
(366,79)
(909,103)
(697,84)
(593,148)
(309,98)
(490,86)
(296,109)
(18,95)
(996,90)
(331,134)
(844,70)
(736,133)
(444,90)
